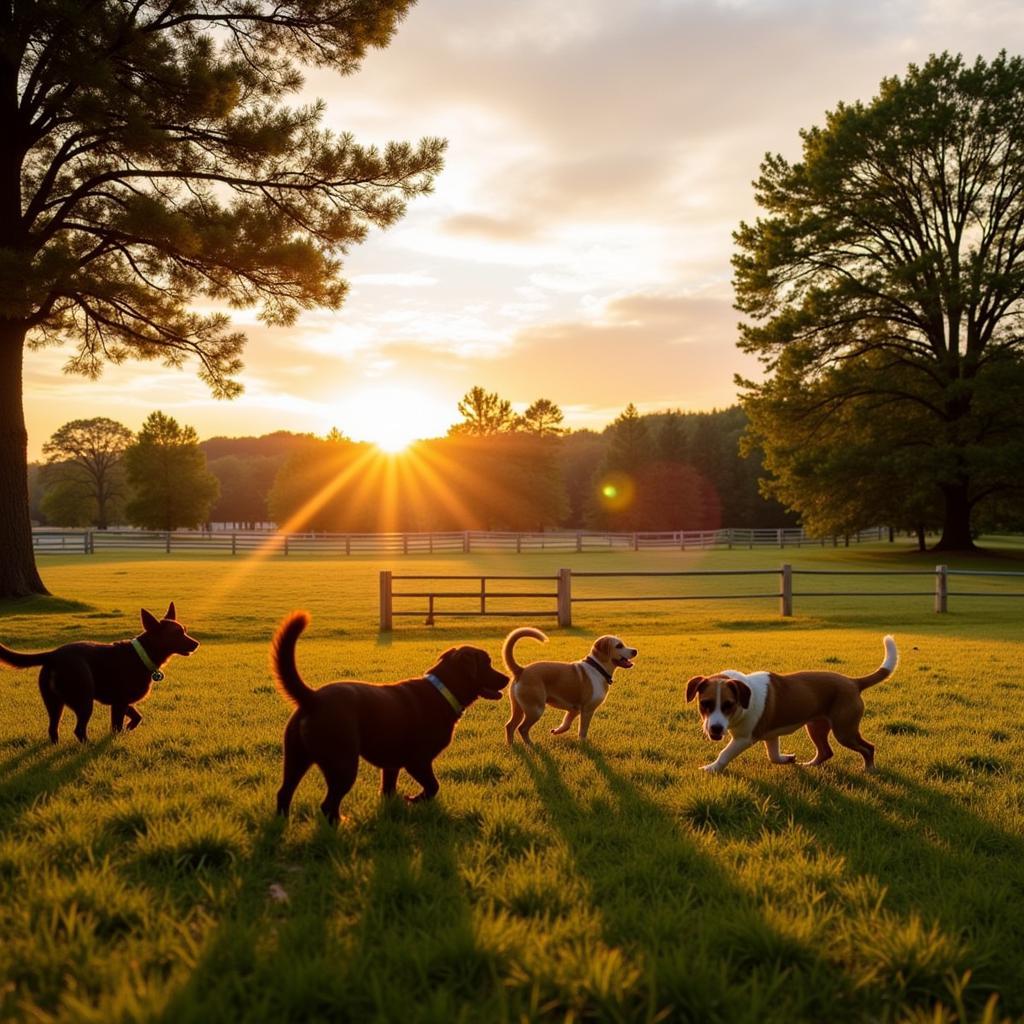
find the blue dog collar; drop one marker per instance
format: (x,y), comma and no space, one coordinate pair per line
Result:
(446,693)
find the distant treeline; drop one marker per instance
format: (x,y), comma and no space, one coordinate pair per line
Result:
(664,471)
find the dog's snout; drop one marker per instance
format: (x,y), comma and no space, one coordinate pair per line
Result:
(716,732)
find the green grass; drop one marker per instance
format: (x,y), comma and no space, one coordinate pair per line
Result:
(144,878)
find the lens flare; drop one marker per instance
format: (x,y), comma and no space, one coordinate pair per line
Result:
(617,491)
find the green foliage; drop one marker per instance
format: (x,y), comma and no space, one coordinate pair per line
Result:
(170,482)
(543,418)
(885,289)
(484,413)
(67,502)
(145,878)
(244,486)
(154,162)
(85,469)
(630,445)
(137,201)
(464,482)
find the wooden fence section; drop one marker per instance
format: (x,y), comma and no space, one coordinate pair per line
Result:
(88,542)
(480,596)
(565,599)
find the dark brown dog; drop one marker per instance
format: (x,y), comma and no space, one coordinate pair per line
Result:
(117,674)
(394,726)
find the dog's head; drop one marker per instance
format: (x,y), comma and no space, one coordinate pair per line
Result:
(720,699)
(468,673)
(613,653)
(166,636)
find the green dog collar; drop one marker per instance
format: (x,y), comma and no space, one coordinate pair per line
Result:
(154,673)
(447,694)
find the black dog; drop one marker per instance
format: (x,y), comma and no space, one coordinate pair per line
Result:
(400,725)
(117,674)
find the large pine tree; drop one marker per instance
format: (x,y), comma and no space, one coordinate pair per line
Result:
(150,159)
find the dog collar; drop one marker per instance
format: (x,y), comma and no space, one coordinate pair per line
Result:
(154,673)
(446,693)
(600,668)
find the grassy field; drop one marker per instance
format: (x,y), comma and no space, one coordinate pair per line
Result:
(144,877)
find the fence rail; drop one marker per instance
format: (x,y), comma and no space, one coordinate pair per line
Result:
(565,599)
(239,542)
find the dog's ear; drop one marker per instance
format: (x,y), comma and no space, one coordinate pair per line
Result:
(742,692)
(603,647)
(693,686)
(148,620)
(170,612)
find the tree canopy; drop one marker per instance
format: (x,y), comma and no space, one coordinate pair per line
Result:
(151,159)
(170,482)
(484,413)
(884,286)
(85,458)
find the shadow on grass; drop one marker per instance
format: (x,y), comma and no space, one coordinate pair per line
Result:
(39,770)
(39,604)
(936,862)
(713,956)
(369,922)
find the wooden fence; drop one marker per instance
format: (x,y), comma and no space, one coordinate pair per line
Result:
(563,598)
(45,541)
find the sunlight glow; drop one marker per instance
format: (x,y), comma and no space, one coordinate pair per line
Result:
(392,416)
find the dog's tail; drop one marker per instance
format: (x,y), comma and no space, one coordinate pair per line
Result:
(282,660)
(886,669)
(18,660)
(507,653)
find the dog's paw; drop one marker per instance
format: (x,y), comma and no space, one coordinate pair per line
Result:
(714,768)
(786,759)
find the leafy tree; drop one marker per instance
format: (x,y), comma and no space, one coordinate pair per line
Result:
(670,440)
(484,413)
(854,469)
(150,160)
(67,502)
(542,418)
(887,276)
(167,470)
(244,486)
(630,445)
(86,459)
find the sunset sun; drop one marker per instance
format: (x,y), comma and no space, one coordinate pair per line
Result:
(394,416)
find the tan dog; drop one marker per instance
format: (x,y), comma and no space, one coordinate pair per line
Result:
(765,706)
(578,687)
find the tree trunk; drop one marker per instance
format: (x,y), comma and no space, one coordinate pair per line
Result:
(919,532)
(956,523)
(18,574)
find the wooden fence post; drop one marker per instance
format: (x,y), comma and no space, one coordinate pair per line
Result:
(565,597)
(465,542)
(386,615)
(941,588)
(168,542)
(234,542)
(786,596)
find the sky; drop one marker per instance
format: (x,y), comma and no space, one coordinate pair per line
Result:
(577,245)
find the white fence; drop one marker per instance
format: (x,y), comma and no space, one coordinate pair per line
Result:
(46,541)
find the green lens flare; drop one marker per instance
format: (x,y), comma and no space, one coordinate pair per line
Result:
(610,490)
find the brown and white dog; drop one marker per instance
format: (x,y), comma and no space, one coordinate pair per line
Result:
(578,688)
(764,706)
